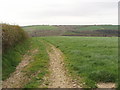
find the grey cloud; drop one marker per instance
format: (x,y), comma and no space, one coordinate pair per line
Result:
(80,9)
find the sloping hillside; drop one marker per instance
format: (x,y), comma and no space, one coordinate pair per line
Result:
(72,30)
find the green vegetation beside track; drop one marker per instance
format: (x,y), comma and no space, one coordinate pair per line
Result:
(94,59)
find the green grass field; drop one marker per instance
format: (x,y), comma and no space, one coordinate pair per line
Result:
(97,27)
(39,27)
(94,59)
(75,27)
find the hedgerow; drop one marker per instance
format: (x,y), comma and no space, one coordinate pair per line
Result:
(11,35)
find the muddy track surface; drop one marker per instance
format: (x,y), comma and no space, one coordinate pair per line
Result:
(58,77)
(18,78)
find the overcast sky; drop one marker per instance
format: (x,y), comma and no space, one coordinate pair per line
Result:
(59,12)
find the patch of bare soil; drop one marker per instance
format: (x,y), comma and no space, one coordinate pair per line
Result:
(18,78)
(106,85)
(58,75)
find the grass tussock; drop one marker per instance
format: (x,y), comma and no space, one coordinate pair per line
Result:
(37,69)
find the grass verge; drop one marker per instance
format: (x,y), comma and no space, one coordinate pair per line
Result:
(12,57)
(37,69)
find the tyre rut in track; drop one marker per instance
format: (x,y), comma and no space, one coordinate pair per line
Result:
(58,75)
(19,78)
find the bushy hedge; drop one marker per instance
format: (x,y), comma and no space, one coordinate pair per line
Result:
(11,35)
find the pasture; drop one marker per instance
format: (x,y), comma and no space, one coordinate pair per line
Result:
(94,59)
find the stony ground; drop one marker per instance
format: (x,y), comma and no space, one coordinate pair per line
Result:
(19,78)
(106,85)
(58,76)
